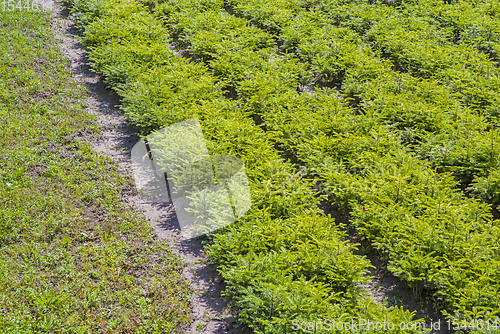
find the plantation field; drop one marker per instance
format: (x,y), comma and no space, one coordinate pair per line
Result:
(386,109)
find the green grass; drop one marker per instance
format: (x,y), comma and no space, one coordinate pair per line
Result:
(73,259)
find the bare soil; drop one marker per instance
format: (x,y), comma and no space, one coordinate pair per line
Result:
(383,286)
(211,314)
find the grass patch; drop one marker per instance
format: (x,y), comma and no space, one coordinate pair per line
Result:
(73,258)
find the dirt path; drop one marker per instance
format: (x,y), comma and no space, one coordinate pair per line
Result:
(210,313)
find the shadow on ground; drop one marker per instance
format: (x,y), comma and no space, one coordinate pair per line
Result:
(383,285)
(211,313)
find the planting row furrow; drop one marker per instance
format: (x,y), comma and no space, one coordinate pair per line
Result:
(432,118)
